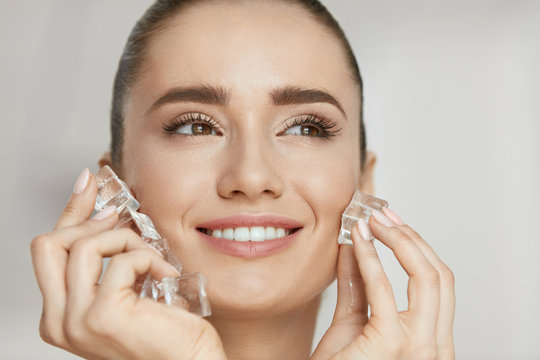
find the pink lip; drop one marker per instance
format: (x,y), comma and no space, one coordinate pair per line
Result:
(250,249)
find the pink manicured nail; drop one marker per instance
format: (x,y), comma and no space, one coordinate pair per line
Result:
(363,229)
(381,218)
(82,181)
(104,213)
(393,216)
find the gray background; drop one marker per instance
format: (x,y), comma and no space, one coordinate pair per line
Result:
(452,110)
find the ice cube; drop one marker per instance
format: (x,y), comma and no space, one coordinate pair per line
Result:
(187,291)
(113,192)
(138,222)
(360,208)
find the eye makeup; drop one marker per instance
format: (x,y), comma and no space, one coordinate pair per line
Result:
(324,128)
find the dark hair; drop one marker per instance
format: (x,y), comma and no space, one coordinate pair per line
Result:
(154,20)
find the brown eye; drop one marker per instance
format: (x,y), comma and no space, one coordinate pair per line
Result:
(201,129)
(309,130)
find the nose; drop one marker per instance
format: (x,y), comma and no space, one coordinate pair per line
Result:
(250,171)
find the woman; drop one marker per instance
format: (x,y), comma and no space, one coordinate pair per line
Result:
(226,116)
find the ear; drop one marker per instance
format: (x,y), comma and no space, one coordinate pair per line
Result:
(105,159)
(365,181)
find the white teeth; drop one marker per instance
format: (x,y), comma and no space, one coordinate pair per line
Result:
(228,234)
(270,232)
(255,233)
(241,234)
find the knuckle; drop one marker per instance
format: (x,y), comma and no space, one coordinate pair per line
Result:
(447,276)
(48,333)
(70,208)
(402,236)
(431,275)
(41,243)
(73,331)
(81,246)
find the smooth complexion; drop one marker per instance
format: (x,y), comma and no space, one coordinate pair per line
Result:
(245,163)
(252,162)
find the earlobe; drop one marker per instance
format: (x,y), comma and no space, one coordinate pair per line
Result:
(105,159)
(366,183)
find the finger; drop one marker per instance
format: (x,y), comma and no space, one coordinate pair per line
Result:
(378,288)
(447,293)
(49,257)
(81,203)
(351,308)
(123,269)
(85,264)
(423,290)
(351,299)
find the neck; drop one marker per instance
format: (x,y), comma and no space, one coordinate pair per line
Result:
(282,336)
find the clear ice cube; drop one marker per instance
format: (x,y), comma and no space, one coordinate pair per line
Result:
(360,208)
(113,192)
(138,222)
(187,291)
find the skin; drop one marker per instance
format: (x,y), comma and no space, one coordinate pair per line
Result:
(262,307)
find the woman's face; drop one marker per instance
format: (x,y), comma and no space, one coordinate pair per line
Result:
(250,153)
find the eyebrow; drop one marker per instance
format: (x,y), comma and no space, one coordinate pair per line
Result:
(289,95)
(217,95)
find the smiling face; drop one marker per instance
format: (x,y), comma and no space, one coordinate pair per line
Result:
(246,116)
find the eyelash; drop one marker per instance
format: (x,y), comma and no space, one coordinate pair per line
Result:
(190,118)
(327,127)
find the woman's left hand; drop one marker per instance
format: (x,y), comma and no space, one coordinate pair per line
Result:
(423,331)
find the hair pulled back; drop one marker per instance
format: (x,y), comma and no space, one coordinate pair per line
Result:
(156,17)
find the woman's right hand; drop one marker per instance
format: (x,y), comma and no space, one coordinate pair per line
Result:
(107,320)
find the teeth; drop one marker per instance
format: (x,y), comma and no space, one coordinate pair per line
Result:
(270,232)
(241,234)
(228,234)
(255,233)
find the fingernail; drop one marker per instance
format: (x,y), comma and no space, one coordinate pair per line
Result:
(393,216)
(363,229)
(104,213)
(82,181)
(153,248)
(381,218)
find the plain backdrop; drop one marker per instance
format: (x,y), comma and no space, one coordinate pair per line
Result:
(452,109)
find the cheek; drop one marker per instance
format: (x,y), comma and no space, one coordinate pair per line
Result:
(167,183)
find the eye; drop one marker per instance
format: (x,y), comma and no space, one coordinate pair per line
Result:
(195,129)
(307,130)
(192,124)
(311,126)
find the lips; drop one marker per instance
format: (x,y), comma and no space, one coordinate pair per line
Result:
(250,235)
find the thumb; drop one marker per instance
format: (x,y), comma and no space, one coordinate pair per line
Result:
(81,203)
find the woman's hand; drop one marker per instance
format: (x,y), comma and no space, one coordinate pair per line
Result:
(424,331)
(107,320)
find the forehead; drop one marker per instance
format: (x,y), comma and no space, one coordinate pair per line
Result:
(248,46)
